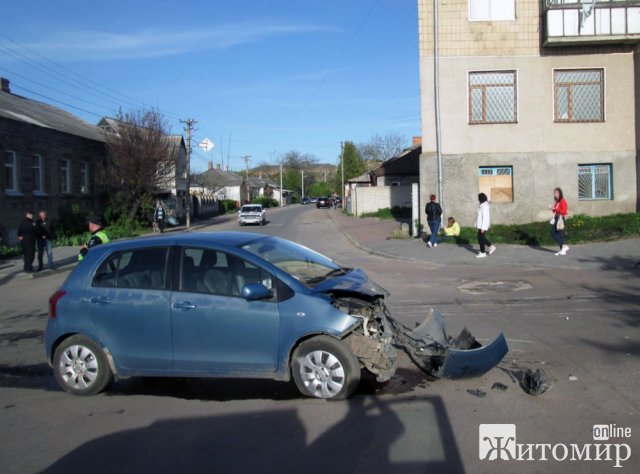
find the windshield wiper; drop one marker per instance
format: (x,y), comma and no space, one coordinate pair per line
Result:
(332,273)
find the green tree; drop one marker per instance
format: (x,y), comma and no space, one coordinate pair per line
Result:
(319,189)
(292,180)
(354,165)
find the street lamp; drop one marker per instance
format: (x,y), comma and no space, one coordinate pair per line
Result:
(436,91)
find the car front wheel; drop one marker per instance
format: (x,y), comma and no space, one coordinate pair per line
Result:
(81,367)
(324,367)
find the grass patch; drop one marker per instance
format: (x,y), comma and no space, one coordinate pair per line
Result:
(396,212)
(578,229)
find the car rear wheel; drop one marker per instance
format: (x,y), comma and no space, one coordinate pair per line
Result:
(324,367)
(81,367)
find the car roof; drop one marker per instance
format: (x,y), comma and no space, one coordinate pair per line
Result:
(231,239)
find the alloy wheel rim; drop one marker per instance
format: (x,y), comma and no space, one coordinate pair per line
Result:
(78,367)
(322,374)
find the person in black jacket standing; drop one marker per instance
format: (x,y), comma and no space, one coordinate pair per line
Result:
(434,218)
(45,239)
(27,236)
(160,217)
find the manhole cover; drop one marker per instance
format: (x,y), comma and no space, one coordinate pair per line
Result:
(489,287)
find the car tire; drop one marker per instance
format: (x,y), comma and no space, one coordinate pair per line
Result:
(81,366)
(324,367)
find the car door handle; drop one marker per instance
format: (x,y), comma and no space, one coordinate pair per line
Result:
(100,300)
(184,305)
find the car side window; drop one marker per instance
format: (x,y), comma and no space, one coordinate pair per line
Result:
(218,273)
(144,268)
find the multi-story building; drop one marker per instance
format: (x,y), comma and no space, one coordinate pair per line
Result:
(49,160)
(533,95)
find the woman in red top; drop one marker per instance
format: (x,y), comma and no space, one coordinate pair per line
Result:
(560,209)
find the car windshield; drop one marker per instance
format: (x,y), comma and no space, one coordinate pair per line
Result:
(300,262)
(251,209)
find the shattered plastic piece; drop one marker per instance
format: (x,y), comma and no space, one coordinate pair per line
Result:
(536,383)
(499,386)
(441,356)
(477,393)
(573,378)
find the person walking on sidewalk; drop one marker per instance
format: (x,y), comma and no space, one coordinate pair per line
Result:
(483,222)
(160,217)
(44,232)
(560,209)
(98,236)
(434,218)
(27,237)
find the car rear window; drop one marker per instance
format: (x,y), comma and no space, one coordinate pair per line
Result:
(144,268)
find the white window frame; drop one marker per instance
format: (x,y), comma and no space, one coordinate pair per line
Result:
(68,175)
(84,183)
(40,167)
(491,8)
(14,171)
(592,167)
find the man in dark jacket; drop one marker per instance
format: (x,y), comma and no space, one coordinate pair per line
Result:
(27,236)
(434,218)
(160,217)
(44,239)
(98,236)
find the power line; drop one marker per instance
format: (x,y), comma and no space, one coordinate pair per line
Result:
(69,78)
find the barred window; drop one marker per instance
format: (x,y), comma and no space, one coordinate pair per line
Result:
(594,182)
(579,95)
(64,177)
(10,171)
(492,97)
(497,183)
(36,174)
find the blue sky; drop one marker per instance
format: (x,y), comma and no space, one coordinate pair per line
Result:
(274,75)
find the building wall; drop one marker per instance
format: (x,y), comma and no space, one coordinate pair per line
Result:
(371,199)
(461,37)
(403,180)
(26,141)
(542,153)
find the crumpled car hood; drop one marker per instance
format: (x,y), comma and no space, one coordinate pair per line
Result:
(354,282)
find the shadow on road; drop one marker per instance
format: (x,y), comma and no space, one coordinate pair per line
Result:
(374,435)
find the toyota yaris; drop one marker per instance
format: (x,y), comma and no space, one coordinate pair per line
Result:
(241,305)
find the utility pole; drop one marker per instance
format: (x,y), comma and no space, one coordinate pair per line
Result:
(436,92)
(246,159)
(302,171)
(189,123)
(281,190)
(342,170)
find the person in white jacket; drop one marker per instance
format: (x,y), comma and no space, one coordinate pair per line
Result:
(483,222)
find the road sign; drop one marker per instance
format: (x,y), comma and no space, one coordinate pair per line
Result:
(206,144)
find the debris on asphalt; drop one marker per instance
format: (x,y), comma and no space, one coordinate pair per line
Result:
(532,382)
(499,386)
(573,378)
(477,393)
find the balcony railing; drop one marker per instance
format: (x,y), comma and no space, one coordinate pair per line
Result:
(570,22)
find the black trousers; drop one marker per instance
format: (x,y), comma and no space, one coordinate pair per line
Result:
(482,240)
(29,254)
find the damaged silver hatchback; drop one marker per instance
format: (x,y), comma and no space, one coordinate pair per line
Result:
(241,305)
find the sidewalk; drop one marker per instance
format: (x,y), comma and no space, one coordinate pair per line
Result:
(373,235)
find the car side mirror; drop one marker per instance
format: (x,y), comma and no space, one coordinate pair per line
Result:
(255,292)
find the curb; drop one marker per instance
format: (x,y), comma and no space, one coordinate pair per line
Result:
(353,241)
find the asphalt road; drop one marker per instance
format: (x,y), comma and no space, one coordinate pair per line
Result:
(581,328)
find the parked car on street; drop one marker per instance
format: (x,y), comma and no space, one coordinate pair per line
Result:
(323,202)
(242,305)
(305,200)
(252,214)
(313,200)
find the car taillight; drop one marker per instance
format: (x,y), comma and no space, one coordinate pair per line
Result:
(53,303)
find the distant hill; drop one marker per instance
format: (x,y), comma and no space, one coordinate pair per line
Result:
(319,171)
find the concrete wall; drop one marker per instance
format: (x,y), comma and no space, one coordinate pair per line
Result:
(371,199)
(535,175)
(402,180)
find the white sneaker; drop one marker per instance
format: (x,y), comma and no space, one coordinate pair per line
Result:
(436,244)
(492,249)
(559,252)
(429,244)
(564,249)
(481,255)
